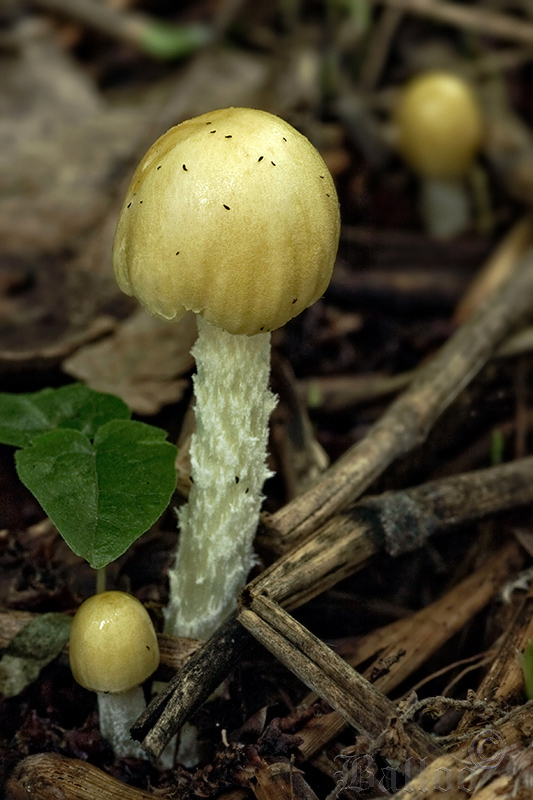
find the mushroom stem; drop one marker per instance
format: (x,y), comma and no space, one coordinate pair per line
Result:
(228,467)
(117,713)
(445,206)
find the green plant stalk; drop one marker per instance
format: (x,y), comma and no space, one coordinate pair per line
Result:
(497,447)
(101,576)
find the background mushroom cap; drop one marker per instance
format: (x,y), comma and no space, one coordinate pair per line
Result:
(113,645)
(233,215)
(439,124)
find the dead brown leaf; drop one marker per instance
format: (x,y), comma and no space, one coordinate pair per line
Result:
(143,362)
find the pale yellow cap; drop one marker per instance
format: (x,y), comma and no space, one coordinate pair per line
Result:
(232,215)
(113,645)
(440,125)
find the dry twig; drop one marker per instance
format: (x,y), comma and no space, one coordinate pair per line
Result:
(49,776)
(359,702)
(404,646)
(412,415)
(279,781)
(497,268)
(504,682)
(466,767)
(480,20)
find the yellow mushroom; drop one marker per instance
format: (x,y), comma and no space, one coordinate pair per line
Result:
(113,649)
(232,215)
(440,125)
(440,129)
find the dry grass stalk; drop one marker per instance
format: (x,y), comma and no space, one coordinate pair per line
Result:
(279,781)
(504,682)
(405,645)
(355,698)
(497,268)
(395,521)
(502,786)
(464,769)
(191,687)
(510,767)
(49,776)
(338,392)
(379,45)
(412,415)
(480,20)
(174,652)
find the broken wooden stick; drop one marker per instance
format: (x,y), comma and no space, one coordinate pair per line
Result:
(406,644)
(411,416)
(354,697)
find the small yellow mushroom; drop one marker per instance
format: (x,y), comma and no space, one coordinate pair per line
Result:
(440,129)
(113,649)
(440,125)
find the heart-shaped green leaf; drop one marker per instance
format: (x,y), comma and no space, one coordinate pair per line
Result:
(23,417)
(101,495)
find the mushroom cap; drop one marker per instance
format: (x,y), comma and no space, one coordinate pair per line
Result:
(232,215)
(440,125)
(113,645)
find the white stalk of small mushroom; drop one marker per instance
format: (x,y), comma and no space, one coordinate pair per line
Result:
(232,215)
(113,649)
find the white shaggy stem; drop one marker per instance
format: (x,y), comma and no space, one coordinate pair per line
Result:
(117,713)
(228,455)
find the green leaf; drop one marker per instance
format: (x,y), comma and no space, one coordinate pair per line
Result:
(101,495)
(166,41)
(23,417)
(31,649)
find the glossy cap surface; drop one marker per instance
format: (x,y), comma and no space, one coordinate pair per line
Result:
(439,125)
(232,215)
(113,645)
